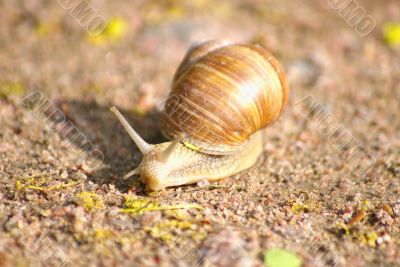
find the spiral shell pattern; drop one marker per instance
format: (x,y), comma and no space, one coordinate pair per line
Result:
(221,94)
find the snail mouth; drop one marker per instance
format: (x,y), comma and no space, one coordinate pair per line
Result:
(152,182)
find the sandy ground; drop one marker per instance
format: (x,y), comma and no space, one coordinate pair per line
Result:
(306,194)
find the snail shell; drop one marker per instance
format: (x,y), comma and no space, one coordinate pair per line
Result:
(221,94)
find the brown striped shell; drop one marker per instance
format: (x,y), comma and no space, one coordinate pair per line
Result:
(221,94)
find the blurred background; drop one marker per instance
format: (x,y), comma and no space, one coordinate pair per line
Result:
(87,55)
(65,49)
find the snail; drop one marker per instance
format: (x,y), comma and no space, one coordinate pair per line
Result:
(222,95)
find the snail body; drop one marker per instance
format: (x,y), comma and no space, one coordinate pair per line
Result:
(222,96)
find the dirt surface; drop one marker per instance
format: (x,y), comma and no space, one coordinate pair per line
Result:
(306,195)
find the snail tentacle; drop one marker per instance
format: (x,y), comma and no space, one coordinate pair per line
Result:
(143,146)
(131,173)
(165,154)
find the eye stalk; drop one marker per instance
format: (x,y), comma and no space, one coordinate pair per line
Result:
(163,156)
(143,146)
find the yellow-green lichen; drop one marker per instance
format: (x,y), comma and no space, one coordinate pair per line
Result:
(45,28)
(391,33)
(307,206)
(129,238)
(165,229)
(369,238)
(365,205)
(137,206)
(175,220)
(90,200)
(141,111)
(102,234)
(40,183)
(363,236)
(191,146)
(113,31)
(12,88)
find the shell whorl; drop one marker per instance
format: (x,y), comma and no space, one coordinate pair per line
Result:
(221,94)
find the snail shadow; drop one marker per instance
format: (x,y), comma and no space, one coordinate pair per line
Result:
(117,152)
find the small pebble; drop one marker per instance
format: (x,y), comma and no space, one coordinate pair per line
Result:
(150,218)
(396,208)
(79,219)
(383,239)
(383,217)
(227,248)
(64,175)
(203,183)
(347,214)
(85,168)
(81,175)
(113,212)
